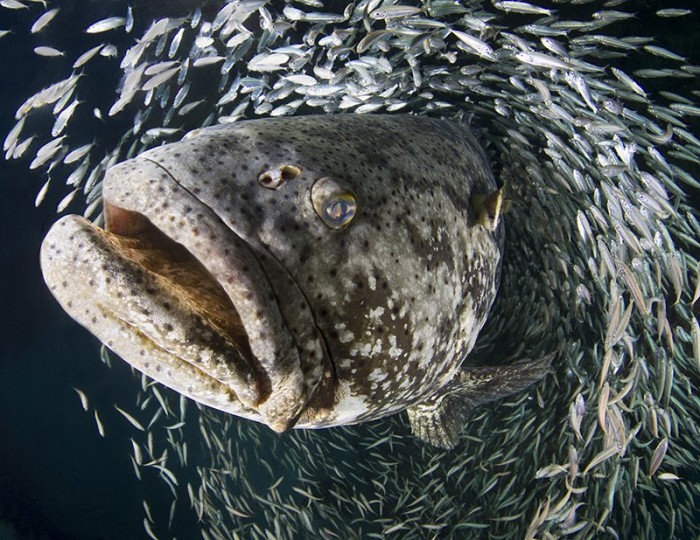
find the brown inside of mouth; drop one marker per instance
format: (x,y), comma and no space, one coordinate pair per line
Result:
(137,239)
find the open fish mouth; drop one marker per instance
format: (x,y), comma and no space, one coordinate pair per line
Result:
(181,297)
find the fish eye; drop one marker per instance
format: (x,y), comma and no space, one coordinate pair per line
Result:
(334,203)
(274,178)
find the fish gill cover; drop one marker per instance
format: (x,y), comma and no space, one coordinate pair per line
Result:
(593,128)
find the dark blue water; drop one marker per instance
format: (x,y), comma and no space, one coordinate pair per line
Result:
(58,478)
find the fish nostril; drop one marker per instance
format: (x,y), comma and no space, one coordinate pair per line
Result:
(289,172)
(267,179)
(274,178)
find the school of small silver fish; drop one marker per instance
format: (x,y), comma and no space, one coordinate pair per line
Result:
(601,255)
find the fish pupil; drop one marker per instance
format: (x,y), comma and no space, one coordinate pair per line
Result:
(339,210)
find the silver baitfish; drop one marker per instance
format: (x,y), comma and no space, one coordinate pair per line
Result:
(593,128)
(304,272)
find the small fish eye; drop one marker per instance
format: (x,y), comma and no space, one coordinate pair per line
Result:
(274,178)
(334,203)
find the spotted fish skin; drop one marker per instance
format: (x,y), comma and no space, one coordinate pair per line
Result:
(334,325)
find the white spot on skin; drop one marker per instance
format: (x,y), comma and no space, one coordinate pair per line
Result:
(361,349)
(372,282)
(345,364)
(344,335)
(377,375)
(394,351)
(376,313)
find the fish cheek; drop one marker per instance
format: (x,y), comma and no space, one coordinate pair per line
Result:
(370,334)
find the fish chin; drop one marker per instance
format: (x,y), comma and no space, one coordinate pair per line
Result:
(180,297)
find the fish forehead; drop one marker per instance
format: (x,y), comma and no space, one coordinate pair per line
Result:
(325,142)
(402,292)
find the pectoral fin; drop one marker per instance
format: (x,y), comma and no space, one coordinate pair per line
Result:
(439,420)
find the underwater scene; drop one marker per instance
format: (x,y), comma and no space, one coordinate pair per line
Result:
(519,181)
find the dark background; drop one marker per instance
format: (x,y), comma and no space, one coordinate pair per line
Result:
(58,478)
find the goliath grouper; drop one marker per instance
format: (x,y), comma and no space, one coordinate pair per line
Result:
(305,272)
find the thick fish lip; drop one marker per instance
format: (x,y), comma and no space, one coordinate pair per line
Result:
(143,193)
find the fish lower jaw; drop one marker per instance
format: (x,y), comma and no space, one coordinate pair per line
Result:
(167,368)
(185,375)
(187,378)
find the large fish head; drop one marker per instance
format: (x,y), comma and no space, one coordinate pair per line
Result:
(269,269)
